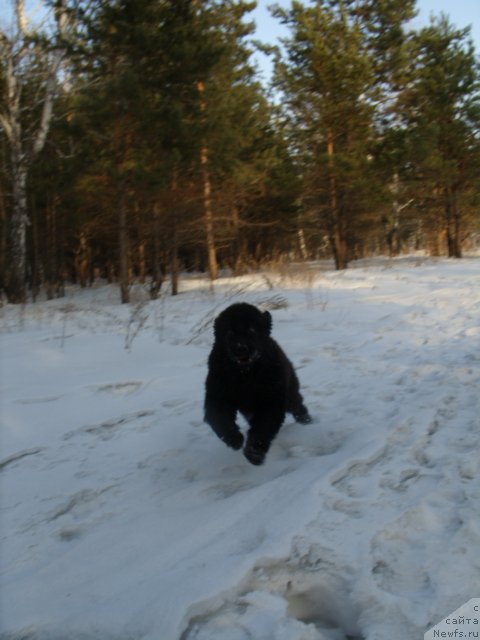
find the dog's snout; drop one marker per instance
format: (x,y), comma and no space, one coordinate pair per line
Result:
(242,348)
(242,351)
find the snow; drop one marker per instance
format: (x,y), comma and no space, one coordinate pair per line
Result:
(123,516)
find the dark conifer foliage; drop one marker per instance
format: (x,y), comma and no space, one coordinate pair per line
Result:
(136,141)
(440,112)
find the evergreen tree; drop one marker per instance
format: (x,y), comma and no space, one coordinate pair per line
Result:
(329,80)
(227,84)
(142,65)
(168,95)
(440,109)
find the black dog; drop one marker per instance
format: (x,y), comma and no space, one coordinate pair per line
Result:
(249,372)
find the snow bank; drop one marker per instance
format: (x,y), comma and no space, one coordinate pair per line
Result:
(124,517)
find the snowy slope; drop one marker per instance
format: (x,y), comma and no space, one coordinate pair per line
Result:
(123,517)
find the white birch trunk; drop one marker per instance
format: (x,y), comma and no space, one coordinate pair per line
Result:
(23,148)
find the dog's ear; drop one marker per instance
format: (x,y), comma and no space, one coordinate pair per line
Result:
(219,325)
(267,322)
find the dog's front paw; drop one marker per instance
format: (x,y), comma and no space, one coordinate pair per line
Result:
(234,439)
(303,417)
(255,452)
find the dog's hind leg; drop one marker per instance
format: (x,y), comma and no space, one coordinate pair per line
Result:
(303,418)
(295,404)
(300,413)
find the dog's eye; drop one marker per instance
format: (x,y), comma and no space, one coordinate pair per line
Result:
(251,331)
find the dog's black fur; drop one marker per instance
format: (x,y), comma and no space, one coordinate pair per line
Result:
(249,372)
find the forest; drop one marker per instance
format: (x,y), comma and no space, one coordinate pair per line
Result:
(139,142)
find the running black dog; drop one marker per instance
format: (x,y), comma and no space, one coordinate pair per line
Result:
(249,372)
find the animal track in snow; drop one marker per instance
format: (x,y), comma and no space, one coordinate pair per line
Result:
(119,388)
(399,549)
(19,455)
(107,429)
(355,479)
(225,490)
(79,503)
(73,513)
(310,590)
(301,446)
(177,403)
(38,400)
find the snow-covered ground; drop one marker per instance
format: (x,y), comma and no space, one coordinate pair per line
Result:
(123,517)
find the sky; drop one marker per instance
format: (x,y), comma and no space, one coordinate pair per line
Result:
(462,13)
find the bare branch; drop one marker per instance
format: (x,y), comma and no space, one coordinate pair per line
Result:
(404,206)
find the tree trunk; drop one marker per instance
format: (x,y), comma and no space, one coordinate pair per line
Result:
(340,248)
(16,285)
(123,249)
(24,147)
(173,203)
(207,199)
(452,219)
(82,261)
(174,252)
(142,265)
(3,239)
(302,245)
(208,216)
(37,270)
(174,260)
(238,244)
(337,233)
(49,249)
(157,278)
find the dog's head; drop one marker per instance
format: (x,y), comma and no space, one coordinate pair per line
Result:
(242,330)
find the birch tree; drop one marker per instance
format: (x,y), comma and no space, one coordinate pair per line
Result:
(30,65)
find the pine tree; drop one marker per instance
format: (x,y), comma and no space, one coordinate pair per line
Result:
(142,65)
(440,108)
(329,79)
(227,81)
